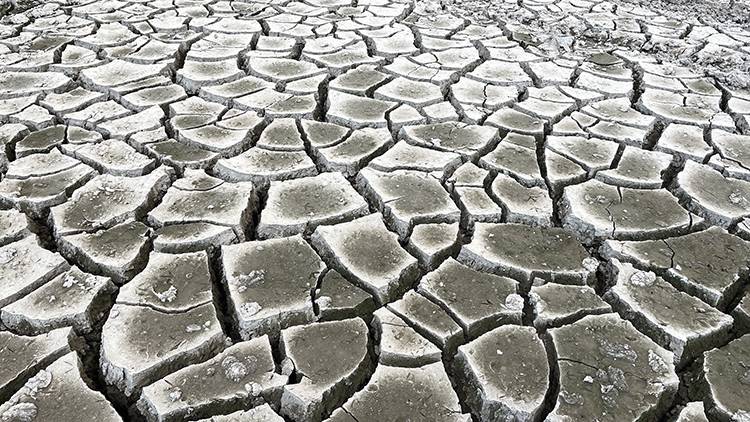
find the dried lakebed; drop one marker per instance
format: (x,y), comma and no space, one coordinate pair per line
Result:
(373,210)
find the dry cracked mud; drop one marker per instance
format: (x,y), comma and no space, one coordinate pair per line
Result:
(374,210)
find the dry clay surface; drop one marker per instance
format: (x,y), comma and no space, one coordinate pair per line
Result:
(373,210)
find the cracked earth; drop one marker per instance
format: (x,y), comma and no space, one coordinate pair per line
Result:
(373,210)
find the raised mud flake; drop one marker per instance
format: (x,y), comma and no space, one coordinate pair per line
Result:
(354,152)
(555,305)
(511,120)
(527,205)
(269,284)
(467,140)
(693,109)
(13,226)
(369,255)
(330,358)
(74,299)
(399,344)
(119,73)
(478,301)
(24,266)
(282,69)
(428,319)
(720,200)
(281,135)
(356,112)
(228,91)
(433,242)
(526,252)
(637,168)
(272,103)
(200,198)
(676,320)
(475,100)
(685,141)
(141,344)
(709,264)
(114,157)
(261,413)
(336,298)
(506,373)
(43,140)
(405,91)
(404,156)
(733,158)
(196,74)
(611,372)
(516,156)
(594,210)
(170,283)
(22,84)
(693,412)
(181,155)
(27,188)
(24,356)
(359,81)
(238,377)
(156,96)
(123,127)
(108,200)
(116,252)
(407,198)
(61,382)
(422,394)
(741,313)
(726,372)
(300,205)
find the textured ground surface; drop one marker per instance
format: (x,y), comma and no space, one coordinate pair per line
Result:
(374,211)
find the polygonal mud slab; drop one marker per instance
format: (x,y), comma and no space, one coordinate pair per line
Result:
(720,200)
(117,252)
(357,112)
(261,413)
(594,210)
(676,320)
(200,198)
(407,198)
(300,205)
(611,372)
(525,205)
(37,182)
(61,382)
(74,299)
(708,264)
(25,356)
(170,283)
(466,140)
(262,166)
(506,374)
(526,252)
(25,266)
(399,344)
(367,254)
(726,372)
(432,243)
(354,152)
(238,377)
(555,305)
(141,344)
(335,298)
(108,200)
(401,393)
(428,319)
(269,284)
(478,301)
(329,358)
(13,226)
